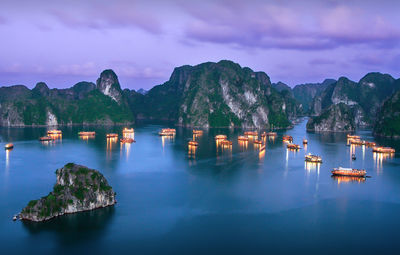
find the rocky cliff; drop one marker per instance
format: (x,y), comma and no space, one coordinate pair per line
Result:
(219,94)
(305,93)
(388,119)
(77,189)
(84,103)
(364,98)
(336,118)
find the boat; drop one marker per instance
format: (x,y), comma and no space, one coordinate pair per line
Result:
(257,141)
(167,132)
(45,138)
(193,143)
(287,138)
(87,133)
(54,132)
(220,137)
(293,146)
(353,156)
(305,141)
(383,150)
(197,132)
(112,135)
(251,133)
(127,131)
(9,146)
(226,143)
(313,158)
(356,141)
(342,171)
(353,136)
(127,140)
(370,144)
(243,138)
(272,134)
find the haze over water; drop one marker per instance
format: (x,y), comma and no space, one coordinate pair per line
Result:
(231,201)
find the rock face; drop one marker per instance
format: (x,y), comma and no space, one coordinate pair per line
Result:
(336,118)
(77,189)
(109,85)
(388,120)
(81,104)
(305,93)
(219,94)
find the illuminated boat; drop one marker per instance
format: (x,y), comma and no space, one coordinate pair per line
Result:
(127,140)
(305,141)
(313,158)
(167,132)
(45,138)
(356,141)
(287,138)
(9,146)
(193,143)
(271,134)
(226,143)
(112,135)
(220,137)
(251,133)
(353,136)
(87,133)
(197,132)
(127,131)
(342,171)
(383,150)
(370,144)
(243,138)
(257,142)
(293,146)
(54,132)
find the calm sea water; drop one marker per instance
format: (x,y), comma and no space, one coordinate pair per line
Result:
(214,201)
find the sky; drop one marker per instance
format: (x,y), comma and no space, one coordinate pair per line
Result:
(62,42)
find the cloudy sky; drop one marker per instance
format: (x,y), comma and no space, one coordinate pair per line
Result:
(63,42)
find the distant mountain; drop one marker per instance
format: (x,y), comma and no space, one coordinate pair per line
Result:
(305,93)
(219,94)
(142,91)
(363,98)
(280,86)
(84,103)
(388,118)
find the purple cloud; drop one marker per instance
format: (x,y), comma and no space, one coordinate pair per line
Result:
(105,15)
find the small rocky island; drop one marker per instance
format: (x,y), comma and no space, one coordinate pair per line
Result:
(78,189)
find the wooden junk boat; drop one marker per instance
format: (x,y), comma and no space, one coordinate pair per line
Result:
(257,141)
(271,134)
(353,136)
(287,138)
(220,137)
(293,146)
(87,133)
(127,131)
(197,132)
(112,135)
(127,140)
(167,132)
(383,150)
(305,141)
(54,132)
(193,143)
(251,133)
(243,138)
(313,158)
(45,138)
(341,171)
(9,146)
